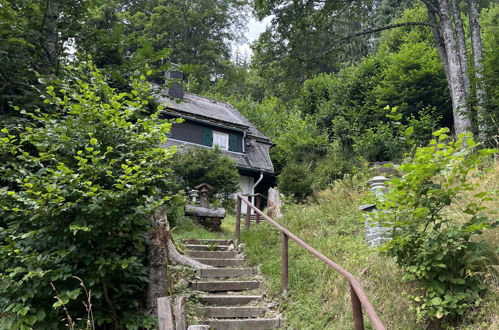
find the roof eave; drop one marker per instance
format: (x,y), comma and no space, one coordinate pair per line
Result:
(206,120)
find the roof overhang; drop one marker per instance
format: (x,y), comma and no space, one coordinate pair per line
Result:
(254,170)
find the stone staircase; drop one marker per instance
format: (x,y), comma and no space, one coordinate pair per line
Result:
(230,295)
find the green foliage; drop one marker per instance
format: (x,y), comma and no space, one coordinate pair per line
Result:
(307,38)
(490,35)
(334,166)
(441,253)
(32,36)
(380,143)
(77,187)
(296,180)
(318,297)
(207,165)
(122,35)
(388,10)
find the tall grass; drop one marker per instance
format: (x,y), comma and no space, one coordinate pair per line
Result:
(319,297)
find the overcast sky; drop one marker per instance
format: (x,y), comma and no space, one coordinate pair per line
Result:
(255,28)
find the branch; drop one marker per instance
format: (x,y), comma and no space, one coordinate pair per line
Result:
(370,31)
(388,27)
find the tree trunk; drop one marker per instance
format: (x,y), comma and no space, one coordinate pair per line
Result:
(158,260)
(274,204)
(49,40)
(461,44)
(439,42)
(461,110)
(476,46)
(162,250)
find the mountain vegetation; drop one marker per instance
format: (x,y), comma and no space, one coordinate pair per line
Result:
(337,85)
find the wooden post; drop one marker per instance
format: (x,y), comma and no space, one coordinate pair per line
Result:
(165,318)
(284,262)
(238,219)
(248,213)
(357,310)
(258,199)
(179,312)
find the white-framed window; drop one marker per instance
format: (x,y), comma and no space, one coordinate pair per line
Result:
(221,140)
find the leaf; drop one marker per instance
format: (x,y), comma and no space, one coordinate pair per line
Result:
(482,194)
(409,131)
(93,141)
(40,315)
(436,301)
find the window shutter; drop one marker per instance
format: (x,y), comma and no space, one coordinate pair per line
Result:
(233,145)
(207,137)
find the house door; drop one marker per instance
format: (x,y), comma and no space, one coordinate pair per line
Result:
(246,184)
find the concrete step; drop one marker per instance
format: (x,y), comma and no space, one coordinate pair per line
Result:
(214,286)
(207,241)
(231,312)
(228,299)
(225,272)
(247,324)
(213,254)
(221,262)
(202,247)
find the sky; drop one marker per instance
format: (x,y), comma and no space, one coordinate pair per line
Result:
(255,28)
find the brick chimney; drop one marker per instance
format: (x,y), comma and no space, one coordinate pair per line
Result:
(175,89)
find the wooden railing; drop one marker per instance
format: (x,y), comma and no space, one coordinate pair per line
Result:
(358,296)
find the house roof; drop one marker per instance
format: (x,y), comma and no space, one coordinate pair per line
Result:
(204,108)
(195,107)
(256,158)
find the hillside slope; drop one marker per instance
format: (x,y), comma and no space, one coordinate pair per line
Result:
(318,297)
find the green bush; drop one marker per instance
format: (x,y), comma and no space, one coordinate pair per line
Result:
(441,253)
(296,180)
(198,165)
(334,166)
(78,186)
(381,143)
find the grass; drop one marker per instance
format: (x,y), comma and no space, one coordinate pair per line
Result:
(187,228)
(318,297)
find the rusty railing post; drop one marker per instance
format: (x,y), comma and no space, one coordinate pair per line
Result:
(284,262)
(258,199)
(248,213)
(238,218)
(357,310)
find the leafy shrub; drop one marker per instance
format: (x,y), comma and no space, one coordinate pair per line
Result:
(334,166)
(77,188)
(296,180)
(381,143)
(441,253)
(198,165)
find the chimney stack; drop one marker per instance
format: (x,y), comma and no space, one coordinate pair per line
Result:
(175,89)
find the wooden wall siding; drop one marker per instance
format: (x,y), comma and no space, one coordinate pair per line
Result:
(188,131)
(202,134)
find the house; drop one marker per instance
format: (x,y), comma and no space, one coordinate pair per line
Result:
(210,123)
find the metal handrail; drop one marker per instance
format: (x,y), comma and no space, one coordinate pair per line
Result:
(358,296)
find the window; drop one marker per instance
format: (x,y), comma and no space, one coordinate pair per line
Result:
(221,140)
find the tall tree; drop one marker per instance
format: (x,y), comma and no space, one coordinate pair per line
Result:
(33,37)
(445,19)
(188,32)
